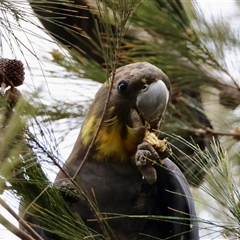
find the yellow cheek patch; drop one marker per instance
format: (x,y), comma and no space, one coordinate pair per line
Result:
(88,130)
(90,126)
(109,142)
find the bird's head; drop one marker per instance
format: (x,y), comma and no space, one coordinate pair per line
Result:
(138,98)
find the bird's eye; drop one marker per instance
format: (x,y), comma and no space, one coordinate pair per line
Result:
(145,87)
(122,86)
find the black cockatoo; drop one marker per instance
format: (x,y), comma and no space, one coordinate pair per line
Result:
(73,24)
(124,173)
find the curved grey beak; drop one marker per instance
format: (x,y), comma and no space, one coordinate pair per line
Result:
(152,102)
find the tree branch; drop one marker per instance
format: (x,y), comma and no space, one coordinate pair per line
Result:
(20,220)
(207,130)
(13,229)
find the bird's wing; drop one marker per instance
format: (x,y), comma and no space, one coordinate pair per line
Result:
(179,200)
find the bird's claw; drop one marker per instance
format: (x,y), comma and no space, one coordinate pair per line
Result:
(142,157)
(145,158)
(146,154)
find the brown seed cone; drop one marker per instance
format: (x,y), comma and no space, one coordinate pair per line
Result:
(11,72)
(12,95)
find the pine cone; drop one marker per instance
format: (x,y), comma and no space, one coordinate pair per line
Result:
(12,95)
(11,72)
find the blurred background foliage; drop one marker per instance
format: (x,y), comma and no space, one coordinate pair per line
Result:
(200,57)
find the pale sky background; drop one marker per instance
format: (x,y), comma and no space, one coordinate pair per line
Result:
(64,88)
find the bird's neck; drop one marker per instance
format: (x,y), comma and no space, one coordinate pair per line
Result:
(115,141)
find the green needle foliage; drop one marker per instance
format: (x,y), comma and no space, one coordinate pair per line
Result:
(220,185)
(173,35)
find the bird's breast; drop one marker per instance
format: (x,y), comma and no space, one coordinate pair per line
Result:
(114,187)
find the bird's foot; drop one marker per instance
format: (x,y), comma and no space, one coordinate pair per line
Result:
(68,191)
(145,157)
